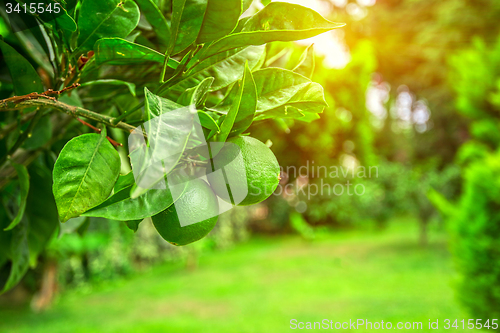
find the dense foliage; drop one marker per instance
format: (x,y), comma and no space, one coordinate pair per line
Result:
(106,61)
(474,220)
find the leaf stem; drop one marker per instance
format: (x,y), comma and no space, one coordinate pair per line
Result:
(98,130)
(128,113)
(165,66)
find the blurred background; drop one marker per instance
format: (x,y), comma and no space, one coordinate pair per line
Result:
(394,215)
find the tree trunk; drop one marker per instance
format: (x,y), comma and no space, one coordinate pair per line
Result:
(44,297)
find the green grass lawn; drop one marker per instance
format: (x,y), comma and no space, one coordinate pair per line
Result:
(261,285)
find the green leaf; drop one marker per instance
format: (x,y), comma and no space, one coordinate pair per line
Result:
(24,184)
(289,112)
(246,5)
(62,19)
(156,18)
(155,105)
(117,51)
(168,129)
(84,174)
(18,255)
(220,19)
(124,181)
(122,207)
(196,95)
(207,121)
(242,109)
(187,18)
(278,90)
(134,225)
(225,68)
(100,19)
(306,63)
(130,86)
(29,40)
(24,76)
(278,21)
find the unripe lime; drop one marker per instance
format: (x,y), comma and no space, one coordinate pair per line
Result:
(192,216)
(249,167)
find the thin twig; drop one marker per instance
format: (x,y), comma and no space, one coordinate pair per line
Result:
(75,111)
(98,130)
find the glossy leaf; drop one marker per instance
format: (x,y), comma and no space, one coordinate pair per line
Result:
(84,174)
(196,95)
(118,51)
(278,89)
(225,68)
(35,41)
(306,62)
(156,106)
(63,20)
(278,21)
(242,108)
(207,121)
(288,112)
(129,85)
(24,184)
(168,129)
(24,76)
(156,18)
(124,181)
(308,117)
(187,18)
(220,19)
(246,5)
(122,207)
(60,20)
(100,19)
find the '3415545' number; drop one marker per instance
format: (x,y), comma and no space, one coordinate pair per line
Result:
(471,324)
(33,8)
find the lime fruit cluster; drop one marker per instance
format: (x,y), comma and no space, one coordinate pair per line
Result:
(253,173)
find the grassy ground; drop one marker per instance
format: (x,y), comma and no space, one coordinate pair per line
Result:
(263,284)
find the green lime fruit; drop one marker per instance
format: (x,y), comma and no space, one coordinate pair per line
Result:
(244,172)
(192,216)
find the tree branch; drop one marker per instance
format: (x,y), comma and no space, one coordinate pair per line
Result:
(75,111)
